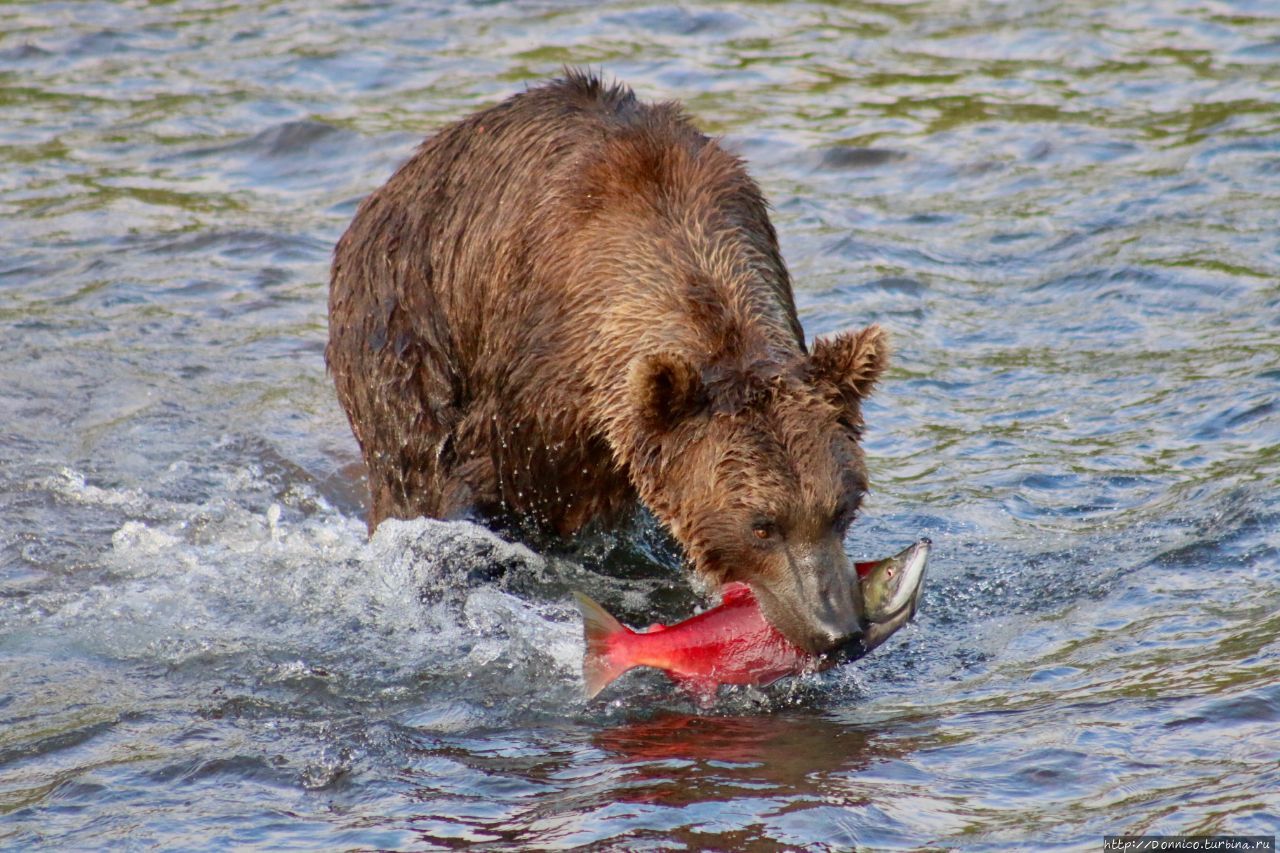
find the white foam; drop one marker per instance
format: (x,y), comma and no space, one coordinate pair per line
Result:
(71,486)
(281,593)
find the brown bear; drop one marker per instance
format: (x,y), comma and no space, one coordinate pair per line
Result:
(572,300)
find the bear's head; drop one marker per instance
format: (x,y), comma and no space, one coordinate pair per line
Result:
(757,471)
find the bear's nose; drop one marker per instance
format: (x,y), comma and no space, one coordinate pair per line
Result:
(849,649)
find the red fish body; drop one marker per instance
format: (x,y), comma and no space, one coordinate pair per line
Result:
(728,644)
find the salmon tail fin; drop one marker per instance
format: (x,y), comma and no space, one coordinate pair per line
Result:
(599,667)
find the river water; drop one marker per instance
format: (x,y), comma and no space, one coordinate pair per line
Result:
(1064,210)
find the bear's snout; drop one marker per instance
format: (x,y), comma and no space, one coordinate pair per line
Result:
(813,597)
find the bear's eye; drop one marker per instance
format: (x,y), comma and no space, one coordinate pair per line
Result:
(763,529)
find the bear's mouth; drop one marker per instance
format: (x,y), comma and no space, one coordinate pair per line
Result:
(816,610)
(882,597)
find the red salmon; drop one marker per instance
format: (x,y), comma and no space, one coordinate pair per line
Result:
(729,644)
(733,643)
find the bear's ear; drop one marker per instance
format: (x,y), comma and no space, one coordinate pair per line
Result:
(664,389)
(851,361)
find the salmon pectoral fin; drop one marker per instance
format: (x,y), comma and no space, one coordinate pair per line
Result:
(599,665)
(703,691)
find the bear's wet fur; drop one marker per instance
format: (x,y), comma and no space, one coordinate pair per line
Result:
(573,300)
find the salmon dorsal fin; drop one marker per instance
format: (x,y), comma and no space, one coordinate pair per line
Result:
(599,667)
(735,593)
